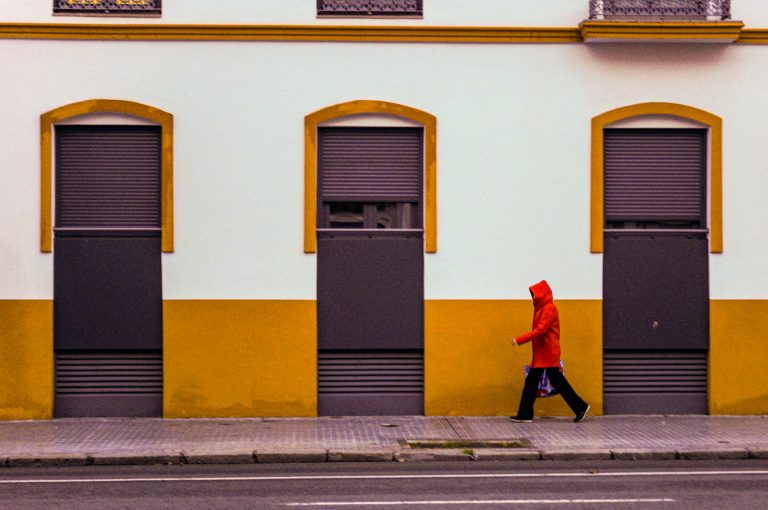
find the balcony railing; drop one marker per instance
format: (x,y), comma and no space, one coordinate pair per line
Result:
(660,10)
(385,8)
(130,7)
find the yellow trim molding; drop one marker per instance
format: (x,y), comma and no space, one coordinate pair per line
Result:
(157,32)
(586,31)
(662,31)
(715,125)
(427,120)
(753,36)
(47,120)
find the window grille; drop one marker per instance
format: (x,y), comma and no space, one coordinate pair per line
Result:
(369,8)
(107,6)
(638,10)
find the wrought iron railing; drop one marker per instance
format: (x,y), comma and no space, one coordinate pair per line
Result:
(654,10)
(107,6)
(369,7)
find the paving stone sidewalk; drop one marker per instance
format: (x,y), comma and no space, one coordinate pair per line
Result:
(389,438)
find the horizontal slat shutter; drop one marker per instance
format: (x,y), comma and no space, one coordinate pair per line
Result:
(655,175)
(655,382)
(370,383)
(120,373)
(108,177)
(370,164)
(108,384)
(659,373)
(371,373)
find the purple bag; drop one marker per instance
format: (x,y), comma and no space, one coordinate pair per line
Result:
(545,388)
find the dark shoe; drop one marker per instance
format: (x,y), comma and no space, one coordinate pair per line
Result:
(582,414)
(517,419)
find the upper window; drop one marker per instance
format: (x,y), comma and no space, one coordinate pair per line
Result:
(370,8)
(108,7)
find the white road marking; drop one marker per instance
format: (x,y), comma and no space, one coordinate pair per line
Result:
(380,477)
(486,502)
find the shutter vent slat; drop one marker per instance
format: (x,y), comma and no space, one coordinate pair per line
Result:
(661,373)
(370,373)
(120,373)
(655,174)
(108,176)
(370,164)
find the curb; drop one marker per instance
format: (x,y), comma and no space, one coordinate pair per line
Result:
(244,457)
(590,454)
(704,454)
(643,454)
(294,456)
(53,460)
(378,455)
(361,455)
(433,454)
(503,454)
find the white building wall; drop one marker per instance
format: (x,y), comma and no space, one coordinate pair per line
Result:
(543,13)
(279,12)
(513,150)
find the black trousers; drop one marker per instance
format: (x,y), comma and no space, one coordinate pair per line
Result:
(558,381)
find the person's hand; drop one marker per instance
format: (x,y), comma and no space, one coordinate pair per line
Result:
(514,342)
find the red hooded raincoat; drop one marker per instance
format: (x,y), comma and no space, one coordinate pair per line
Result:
(545,337)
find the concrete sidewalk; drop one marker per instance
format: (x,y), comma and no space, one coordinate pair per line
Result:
(389,438)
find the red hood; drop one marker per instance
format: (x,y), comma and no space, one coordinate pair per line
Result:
(541,294)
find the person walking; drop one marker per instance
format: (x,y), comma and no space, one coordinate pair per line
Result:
(545,342)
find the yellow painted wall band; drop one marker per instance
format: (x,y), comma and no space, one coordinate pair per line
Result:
(239,358)
(48,119)
(259,357)
(738,381)
(472,368)
(26,359)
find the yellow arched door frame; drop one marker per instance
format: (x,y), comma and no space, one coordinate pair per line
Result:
(47,121)
(715,125)
(358,107)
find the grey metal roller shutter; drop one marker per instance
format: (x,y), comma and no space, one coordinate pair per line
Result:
(107,176)
(655,382)
(655,175)
(370,292)
(107,272)
(370,164)
(370,383)
(107,294)
(109,384)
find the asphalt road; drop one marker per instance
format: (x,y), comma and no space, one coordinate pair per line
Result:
(459,485)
